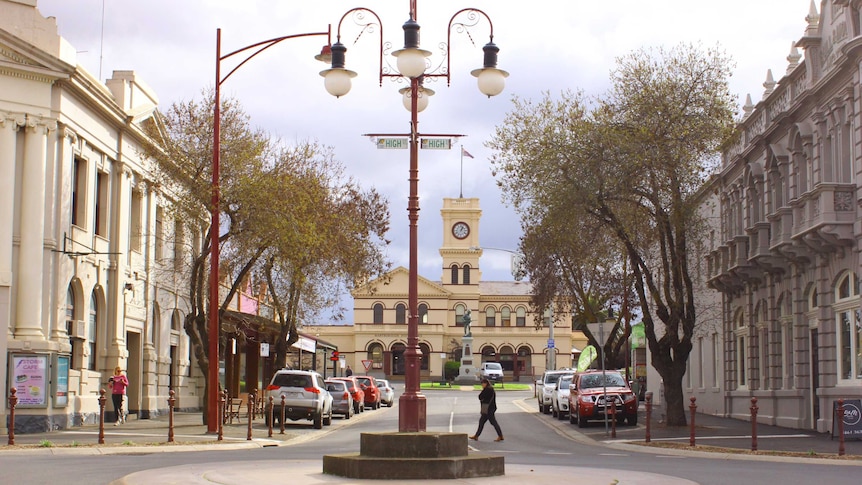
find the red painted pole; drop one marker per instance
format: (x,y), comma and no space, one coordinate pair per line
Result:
(648,416)
(171,401)
(250,414)
(282,415)
(221,414)
(693,408)
(13,401)
(102,416)
(840,419)
(269,413)
(754,424)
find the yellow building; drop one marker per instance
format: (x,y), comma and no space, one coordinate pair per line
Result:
(503,326)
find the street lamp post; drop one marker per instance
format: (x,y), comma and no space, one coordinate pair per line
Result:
(213,327)
(411,64)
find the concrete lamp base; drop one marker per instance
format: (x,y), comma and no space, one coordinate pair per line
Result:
(394,456)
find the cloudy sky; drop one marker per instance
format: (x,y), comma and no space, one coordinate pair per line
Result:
(546,46)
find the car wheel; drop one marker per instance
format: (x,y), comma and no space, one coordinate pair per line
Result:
(327,421)
(633,420)
(554,412)
(318,420)
(582,421)
(561,415)
(572,416)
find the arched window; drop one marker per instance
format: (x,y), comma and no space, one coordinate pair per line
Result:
(375,355)
(489,354)
(74,360)
(423,313)
(849,320)
(426,356)
(92,326)
(520,317)
(454,270)
(506,317)
(741,334)
(490,317)
(378,312)
(466,272)
(400,313)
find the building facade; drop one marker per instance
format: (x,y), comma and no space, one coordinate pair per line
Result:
(502,324)
(787,233)
(91,263)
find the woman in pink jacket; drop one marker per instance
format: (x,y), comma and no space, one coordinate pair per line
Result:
(118,383)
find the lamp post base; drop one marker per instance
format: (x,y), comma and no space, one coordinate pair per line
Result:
(411,413)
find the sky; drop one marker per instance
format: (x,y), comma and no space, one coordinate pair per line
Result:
(546,46)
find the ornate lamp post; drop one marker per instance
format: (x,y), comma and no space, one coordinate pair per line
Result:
(411,64)
(213,327)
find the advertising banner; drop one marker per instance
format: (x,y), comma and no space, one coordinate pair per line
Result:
(61,391)
(29,376)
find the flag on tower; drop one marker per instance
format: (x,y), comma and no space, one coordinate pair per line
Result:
(465,153)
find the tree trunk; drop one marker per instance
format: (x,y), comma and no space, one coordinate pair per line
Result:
(675,402)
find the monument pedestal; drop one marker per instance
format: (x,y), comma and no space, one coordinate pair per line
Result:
(467,372)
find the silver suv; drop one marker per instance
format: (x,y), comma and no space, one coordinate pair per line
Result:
(305,397)
(545,387)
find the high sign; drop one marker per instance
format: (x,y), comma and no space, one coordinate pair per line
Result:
(436,144)
(388,143)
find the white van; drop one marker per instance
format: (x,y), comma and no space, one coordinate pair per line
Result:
(492,371)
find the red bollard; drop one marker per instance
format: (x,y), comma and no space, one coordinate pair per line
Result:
(102,416)
(648,415)
(282,414)
(13,401)
(754,424)
(693,408)
(250,414)
(171,401)
(269,413)
(840,418)
(221,415)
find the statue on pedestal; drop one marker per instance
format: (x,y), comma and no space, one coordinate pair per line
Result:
(467,319)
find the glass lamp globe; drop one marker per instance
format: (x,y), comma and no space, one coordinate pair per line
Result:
(411,61)
(421,100)
(491,81)
(337,81)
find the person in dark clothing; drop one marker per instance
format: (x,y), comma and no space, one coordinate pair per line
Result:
(348,372)
(488,400)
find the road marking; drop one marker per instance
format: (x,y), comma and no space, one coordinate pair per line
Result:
(614,454)
(557,453)
(705,438)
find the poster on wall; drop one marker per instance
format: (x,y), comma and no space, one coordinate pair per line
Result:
(61,378)
(29,376)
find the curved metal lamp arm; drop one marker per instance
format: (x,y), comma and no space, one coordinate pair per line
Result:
(266,45)
(366,27)
(472,17)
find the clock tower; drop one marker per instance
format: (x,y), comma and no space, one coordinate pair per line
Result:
(460,247)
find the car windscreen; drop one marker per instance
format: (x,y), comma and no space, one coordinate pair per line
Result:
(335,386)
(291,380)
(364,380)
(565,383)
(596,380)
(552,378)
(493,367)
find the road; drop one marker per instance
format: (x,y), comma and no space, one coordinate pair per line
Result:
(532,439)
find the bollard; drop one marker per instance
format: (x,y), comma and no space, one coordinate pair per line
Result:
(254,408)
(614,420)
(282,414)
(250,414)
(13,401)
(269,414)
(101,416)
(221,415)
(171,401)
(224,401)
(840,418)
(648,415)
(693,408)
(754,424)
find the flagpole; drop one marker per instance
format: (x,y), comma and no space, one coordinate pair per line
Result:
(461,194)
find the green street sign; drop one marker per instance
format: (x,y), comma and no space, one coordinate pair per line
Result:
(436,144)
(389,143)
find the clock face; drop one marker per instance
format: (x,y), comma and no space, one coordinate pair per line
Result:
(461,230)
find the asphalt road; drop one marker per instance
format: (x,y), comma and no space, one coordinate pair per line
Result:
(532,439)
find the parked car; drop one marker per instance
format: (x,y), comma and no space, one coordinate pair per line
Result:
(387,394)
(545,386)
(305,397)
(342,400)
(492,371)
(355,391)
(372,394)
(593,393)
(560,397)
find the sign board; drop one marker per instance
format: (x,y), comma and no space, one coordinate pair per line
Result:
(390,143)
(264,349)
(550,343)
(366,363)
(61,378)
(305,344)
(602,330)
(852,418)
(436,144)
(29,376)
